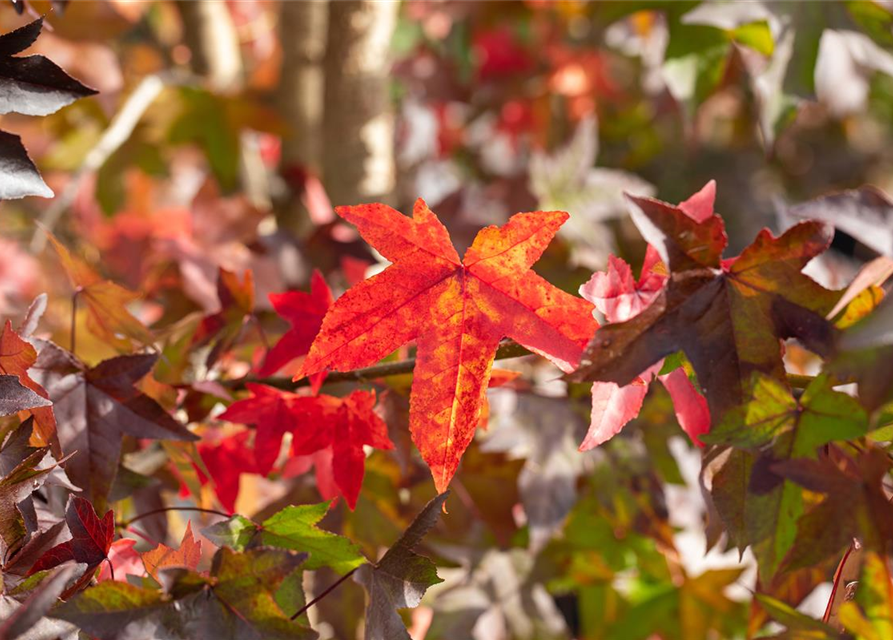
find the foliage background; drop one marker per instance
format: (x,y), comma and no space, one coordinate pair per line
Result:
(259,116)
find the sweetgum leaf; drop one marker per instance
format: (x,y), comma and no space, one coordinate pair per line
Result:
(855,506)
(20,178)
(187,555)
(95,407)
(728,316)
(33,85)
(865,213)
(106,303)
(775,428)
(106,609)
(30,614)
(16,357)
(15,397)
(15,488)
(400,578)
(91,538)
(456,311)
(304,312)
(238,601)
(292,528)
(316,422)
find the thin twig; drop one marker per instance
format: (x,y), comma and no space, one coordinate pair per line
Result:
(328,590)
(74,318)
(367,374)
(118,132)
(127,523)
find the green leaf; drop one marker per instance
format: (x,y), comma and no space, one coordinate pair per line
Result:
(788,616)
(236,532)
(775,427)
(292,528)
(755,35)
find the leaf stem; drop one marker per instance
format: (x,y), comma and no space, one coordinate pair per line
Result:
(507,349)
(74,318)
(328,590)
(127,523)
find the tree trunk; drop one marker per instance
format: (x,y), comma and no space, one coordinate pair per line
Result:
(211,36)
(358,150)
(302,32)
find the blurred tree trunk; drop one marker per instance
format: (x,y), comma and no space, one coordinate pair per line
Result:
(211,36)
(358,149)
(302,32)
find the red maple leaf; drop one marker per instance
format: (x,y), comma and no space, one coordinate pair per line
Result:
(90,541)
(316,423)
(304,311)
(456,311)
(620,297)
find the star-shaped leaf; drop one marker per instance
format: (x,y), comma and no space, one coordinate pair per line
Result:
(106,302)
(24,478)
(304,312)
(33,85)
(187,555)
(91,538)
(95,407)
(855,506)
(456,311)
(776,428)
(316,422)
(292,528)
(620,297)
(727,316)
(237,601)
(400,578)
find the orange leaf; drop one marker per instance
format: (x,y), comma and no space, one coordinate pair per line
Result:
(187,555)
(456,311)
(105,301)
(16,357)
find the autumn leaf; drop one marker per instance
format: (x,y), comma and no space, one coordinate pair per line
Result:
(95,407)
(27,617)
(727,316)
(104,611)
(26,475)
(457,312)
(15,397)
(106,303)
(294,528)
(226,460)
(222,328)
(304,312)
(91,538)
(620,297)
(400,578)
(316,422)
(124,561)
(16,357)
(775,428)
(33,85)
(187,555)
(855,502)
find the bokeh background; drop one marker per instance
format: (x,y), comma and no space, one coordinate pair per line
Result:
(224,133)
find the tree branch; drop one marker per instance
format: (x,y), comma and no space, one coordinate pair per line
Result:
(507,349)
